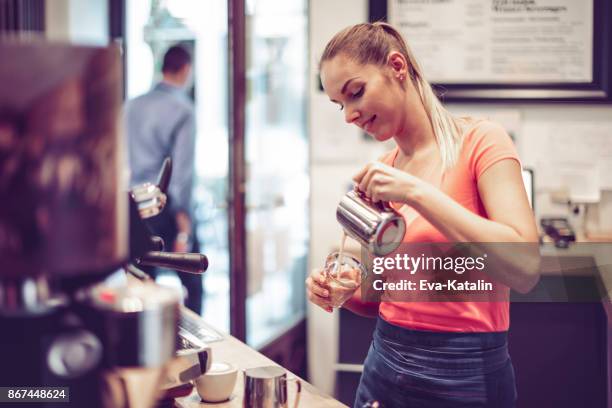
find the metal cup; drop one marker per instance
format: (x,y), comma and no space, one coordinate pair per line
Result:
(266,387)
(376,226)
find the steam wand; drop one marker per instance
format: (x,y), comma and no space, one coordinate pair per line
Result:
(151,200)
(184,262)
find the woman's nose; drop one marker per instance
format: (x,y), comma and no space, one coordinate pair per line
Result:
(351,115)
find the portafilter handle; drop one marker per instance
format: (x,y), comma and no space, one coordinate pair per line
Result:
(184,262)
(163,179)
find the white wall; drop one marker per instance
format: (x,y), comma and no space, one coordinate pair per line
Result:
(56,20)
(77,21)
(338,150)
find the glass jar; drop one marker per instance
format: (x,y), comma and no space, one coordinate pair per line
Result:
(343,278)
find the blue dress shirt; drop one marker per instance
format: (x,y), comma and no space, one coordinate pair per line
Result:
(159,124)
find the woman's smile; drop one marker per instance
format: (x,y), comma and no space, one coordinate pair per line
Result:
(368,125)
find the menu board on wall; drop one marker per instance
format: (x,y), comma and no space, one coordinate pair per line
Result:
(458,41)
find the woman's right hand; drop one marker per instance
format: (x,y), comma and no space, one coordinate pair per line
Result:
(318,290)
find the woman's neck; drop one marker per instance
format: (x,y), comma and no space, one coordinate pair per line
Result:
(414,142)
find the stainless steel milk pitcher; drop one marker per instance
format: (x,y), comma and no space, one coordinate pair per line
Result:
(266,387)
(378,227)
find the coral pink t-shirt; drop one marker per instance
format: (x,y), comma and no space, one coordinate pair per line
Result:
(484,144)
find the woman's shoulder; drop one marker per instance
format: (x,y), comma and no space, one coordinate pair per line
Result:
(484,143)
(476,129)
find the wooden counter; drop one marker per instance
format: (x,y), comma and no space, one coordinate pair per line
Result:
(233,351)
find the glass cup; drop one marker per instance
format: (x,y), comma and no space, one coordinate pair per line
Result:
(343,278)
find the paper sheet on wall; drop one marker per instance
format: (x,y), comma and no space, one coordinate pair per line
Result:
(572,155)
(499,41)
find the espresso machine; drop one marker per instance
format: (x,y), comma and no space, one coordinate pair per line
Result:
(67,222)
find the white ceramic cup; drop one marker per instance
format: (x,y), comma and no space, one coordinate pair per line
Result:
(217,384)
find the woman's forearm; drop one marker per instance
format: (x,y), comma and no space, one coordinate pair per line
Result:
(520,261)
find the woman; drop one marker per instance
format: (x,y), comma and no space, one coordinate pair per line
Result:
(454,180)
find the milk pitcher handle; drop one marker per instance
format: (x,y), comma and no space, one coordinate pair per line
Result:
(382,205)
(298,390)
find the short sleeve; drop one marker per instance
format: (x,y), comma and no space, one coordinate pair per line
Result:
(486,144)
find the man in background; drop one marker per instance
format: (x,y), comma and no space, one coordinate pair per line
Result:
(160,124)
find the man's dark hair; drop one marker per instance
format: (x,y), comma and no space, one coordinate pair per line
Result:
(175,59)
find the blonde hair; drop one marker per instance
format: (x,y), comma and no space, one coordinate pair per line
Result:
(371,43)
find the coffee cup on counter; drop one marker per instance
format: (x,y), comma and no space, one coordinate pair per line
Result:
(217,384)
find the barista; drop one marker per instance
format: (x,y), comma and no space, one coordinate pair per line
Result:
(454,180)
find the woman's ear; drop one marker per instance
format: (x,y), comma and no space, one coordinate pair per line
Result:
(398,64)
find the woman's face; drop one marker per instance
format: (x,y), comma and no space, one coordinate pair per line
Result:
(371,96)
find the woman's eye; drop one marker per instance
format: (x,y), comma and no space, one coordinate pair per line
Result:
(359,92)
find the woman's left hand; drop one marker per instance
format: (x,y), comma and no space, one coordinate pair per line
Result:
(381,182)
